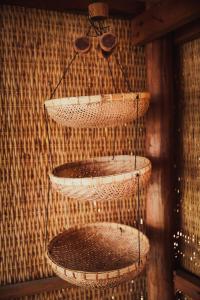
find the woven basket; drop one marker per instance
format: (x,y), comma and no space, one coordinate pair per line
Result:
(101,178)
(82,44)
(98,255)
(99,110)
(108,41)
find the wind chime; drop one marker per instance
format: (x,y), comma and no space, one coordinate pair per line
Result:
(101,254)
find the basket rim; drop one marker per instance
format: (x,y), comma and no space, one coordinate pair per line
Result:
(90,181)
(109,274)
(80,100)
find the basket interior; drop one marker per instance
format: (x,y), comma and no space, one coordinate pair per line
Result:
(97,248)
(95,99)
(104,166)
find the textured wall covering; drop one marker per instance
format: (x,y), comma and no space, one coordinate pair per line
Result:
(35,47)
(188,127)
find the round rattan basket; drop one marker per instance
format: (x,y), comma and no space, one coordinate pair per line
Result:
(103,178)
(98,255)
(99,110)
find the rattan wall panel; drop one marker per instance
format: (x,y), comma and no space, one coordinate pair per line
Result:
(188,190)
(35,47)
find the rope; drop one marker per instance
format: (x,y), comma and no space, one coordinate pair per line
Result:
(111,74)
(96,29)
(48,192)
(64,74)
(126,80)
(115,131)
(47,215)
(113,82)
(136,131)
(49,143)
(138,213)
(48,136)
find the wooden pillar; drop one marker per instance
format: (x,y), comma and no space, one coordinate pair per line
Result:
(159,146)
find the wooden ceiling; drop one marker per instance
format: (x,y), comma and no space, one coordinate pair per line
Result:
(127,8)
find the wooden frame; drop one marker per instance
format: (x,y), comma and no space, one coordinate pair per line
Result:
(187,33)
(187,283)
(163,18)
(159,146)
(116,7)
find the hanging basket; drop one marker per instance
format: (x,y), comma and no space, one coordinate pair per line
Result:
(101,178)
(99,110)
(98,255)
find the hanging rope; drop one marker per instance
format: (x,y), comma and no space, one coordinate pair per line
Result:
(127,82)
(49,142)
(138,214)
(111,74)
(96,28)
(136,131)
(48,137)
(113,82)
(48,189)
(64,74)
(115,132)
(47,214)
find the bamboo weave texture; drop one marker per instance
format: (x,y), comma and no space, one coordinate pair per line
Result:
(188,187)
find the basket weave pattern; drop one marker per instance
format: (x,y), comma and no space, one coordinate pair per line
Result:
(98,255)
(97,111)
(102,178)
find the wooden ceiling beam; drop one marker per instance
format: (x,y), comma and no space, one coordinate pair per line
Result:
(187,33)
(162,18)
(123,8)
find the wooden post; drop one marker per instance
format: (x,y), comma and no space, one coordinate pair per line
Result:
(159,148)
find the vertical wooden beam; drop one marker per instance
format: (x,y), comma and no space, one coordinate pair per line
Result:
(159,148)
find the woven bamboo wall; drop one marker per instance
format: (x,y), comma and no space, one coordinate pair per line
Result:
(188,127)
(35,47)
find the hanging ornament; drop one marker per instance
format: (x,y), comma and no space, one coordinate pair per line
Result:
(82,44)
(99,254)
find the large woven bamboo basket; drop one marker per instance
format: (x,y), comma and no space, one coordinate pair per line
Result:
(99,110)
(103,178)
(99,254)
